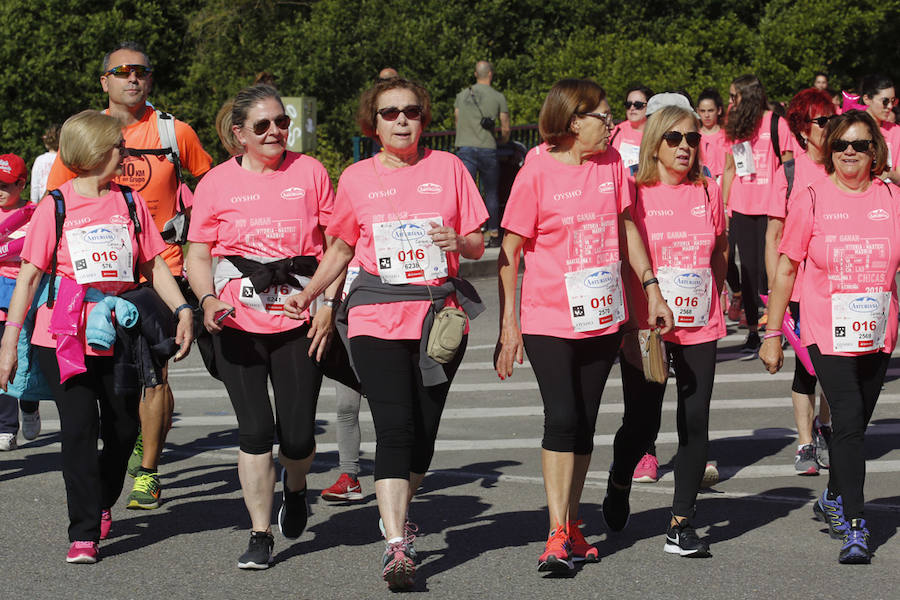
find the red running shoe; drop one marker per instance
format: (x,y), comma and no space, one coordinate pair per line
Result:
(344,489)
(85,553)
(399,568)
(581,550)
(557,556)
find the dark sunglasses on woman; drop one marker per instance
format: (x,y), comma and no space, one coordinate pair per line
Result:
(262,126)
(858,145)
(820,121)
(413,112)
(637,104)
(673,138)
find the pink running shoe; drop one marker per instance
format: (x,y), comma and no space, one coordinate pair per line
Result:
(85,553)
(105,524)
(582,551)
(647,471)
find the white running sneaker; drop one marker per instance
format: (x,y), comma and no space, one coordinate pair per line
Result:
(31,424)
(8,442)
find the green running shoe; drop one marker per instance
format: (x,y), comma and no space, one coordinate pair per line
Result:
(137,455)
(146,492)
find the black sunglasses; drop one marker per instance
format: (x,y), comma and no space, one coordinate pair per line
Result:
(673,138)
(124,71)
(413,112)
(637,104)
(885,102)
(858,145)
(820,121)
(262,126)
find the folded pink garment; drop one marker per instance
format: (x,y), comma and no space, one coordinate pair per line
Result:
(65,322)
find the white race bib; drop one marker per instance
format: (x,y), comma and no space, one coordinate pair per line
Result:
(744,165)
(595,297)
(271,300)
(630,154)
(688,292)
(406,253)
(859,320)
(101,253)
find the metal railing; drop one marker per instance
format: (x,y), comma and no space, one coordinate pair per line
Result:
(526,135)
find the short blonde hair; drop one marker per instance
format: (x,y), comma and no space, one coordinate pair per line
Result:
(658,124)
(85,139)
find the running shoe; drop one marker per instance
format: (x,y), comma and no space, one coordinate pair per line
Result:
(410,531)
(259,551)
(8,442)
(105,524)
(831,512)
(805,460)
(616,508)
(557,556)
(294,511)
(31,424)
(681,539)
(346,488)
(822,433)
(647,470)
(710,475)
(146,492)
(398,567)
(581,550)
(84,553)
(735,312)
(137,455)
(855,550)
(751,346)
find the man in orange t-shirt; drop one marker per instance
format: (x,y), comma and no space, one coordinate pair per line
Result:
(127,79)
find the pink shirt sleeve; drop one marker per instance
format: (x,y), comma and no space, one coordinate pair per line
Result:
(798,228)
(472,212)
(41,241)
(716,206)
(778,199)
(325,194)
(786,140)
(625,189)
(521,215)
(204,225)
(343,223)
(150,242)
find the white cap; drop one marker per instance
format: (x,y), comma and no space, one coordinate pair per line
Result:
(660,101)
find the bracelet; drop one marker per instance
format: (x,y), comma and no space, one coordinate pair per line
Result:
(651,281)
(331,302)
(181,308)
(771,334)
(205,296)
(13,324)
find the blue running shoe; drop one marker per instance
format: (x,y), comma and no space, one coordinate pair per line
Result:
(855,550)
(831,512)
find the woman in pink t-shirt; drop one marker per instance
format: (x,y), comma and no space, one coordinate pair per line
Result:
(263,216)
(748,184)
(681,219)
(807,115)
(98,248)
(626,137)
(407,214)
(568,213)
(878,94)
(846,230)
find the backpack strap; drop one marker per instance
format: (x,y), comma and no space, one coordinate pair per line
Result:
(773,133)
(132,212)
(165,123)
(59,203)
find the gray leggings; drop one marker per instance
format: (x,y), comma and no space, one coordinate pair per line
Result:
(348,437)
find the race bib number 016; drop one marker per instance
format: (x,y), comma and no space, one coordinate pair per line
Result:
(859,320)
(101,253)
(270,300)
(406,253)
(688,292)
(595,297)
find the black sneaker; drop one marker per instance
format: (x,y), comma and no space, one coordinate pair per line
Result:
(616,509)
(294,511)
(681,539)
(259,551)
(751,346)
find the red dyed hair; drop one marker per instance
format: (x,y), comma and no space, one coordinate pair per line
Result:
(807,104)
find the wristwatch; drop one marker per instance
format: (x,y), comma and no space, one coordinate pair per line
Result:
(331,302)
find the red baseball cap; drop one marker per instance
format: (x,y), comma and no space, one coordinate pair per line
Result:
(12,168)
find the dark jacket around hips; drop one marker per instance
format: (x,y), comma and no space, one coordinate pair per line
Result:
(140,354)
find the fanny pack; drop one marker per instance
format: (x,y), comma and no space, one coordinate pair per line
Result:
(446,334)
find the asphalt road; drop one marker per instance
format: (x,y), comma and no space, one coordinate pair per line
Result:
(482,510)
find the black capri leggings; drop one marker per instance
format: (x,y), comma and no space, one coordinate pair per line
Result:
(406,414)
(749,233)
(695,369)
(246,361)
(571,375)
(852,385)
(804,382)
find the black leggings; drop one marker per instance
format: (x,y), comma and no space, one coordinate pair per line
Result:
(571,375)
(89,407)
(852,385)
(804,382)
(406,414)
(732,275)
(695,369)
(246,361)
(749,233)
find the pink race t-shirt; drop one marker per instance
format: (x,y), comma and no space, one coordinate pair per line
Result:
(569,217)
(891,133)
(281,214)
(752,194)
(369,194)
(679,225)
(851,244)
(627,142)
(712,152)
(82,211)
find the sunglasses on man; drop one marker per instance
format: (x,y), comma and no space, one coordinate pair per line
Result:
(125,71)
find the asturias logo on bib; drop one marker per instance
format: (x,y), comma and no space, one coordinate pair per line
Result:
(598,279)
(429,188)
(101,235)
(293,193)
(688,281)
(408,231)
(864,304)
(879,214)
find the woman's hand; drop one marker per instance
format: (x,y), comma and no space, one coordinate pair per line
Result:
(771,354)
(9,356)
(184,333)
(445,238)
(296,304)
(211,308)
(321,330)
(660,315)
(510,349)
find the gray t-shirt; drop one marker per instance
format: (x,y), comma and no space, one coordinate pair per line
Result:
(469,131)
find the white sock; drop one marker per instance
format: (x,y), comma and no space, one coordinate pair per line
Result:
(395,540)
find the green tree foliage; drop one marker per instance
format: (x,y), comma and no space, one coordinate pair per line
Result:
(206,50)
